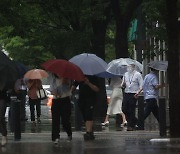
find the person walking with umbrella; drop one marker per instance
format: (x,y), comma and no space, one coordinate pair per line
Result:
(62,73)
(87,98)
(34,84)
(61,106)
(8,77)
(132,82)
(150,89)
(3,129)
(91,65)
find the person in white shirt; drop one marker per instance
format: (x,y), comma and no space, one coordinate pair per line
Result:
(61,107)
(132,82)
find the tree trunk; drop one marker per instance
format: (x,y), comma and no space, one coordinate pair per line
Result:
(123,20)
(98,40)
(98,47)
(173,67)
(121,39)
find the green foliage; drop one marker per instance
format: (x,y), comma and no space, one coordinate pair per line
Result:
(37,30)
(40,30)
(109,47)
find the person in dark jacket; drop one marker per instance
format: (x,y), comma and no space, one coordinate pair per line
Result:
(3,105)
(87,97)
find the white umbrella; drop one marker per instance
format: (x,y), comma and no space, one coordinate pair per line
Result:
(90,64)
(119,66)
(159,65)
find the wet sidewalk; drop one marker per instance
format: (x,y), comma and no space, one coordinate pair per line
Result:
(108,141)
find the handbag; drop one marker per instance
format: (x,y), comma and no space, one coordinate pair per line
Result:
(41,94)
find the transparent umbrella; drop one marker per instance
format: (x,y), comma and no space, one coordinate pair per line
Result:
(119,66)
(159,65)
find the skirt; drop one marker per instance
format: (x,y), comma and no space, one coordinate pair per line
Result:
(115,104)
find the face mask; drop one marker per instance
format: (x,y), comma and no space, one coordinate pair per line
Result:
(130,69)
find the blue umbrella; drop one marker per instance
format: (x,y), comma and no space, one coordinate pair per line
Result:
(106,75)
(89,63)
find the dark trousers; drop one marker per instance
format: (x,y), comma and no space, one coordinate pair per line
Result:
(61,109)
(128,107)
(151,106)
(3,128)
(32,104)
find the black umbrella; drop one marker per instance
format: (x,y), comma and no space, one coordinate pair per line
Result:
(21,68)
(8,72)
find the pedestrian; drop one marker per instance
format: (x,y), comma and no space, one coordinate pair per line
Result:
(3,105)
(88,90)
(33,86)
(21,92)
(132,83)
(150,89)
(61,107)
(115,104)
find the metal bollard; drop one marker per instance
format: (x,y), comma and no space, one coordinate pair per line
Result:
(141,113)
(15,118)
(77,117)
(162,116)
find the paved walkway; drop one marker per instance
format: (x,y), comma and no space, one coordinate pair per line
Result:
(108,141)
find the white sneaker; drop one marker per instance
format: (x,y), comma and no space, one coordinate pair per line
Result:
(124,124)
(56,141)
(4,140)
(105,123)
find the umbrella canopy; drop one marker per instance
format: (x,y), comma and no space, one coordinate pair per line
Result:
(90,64)
(119,66)
(21,68)
(159,65)
(106,75)
(36,74)
(8,72)
(64,68)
